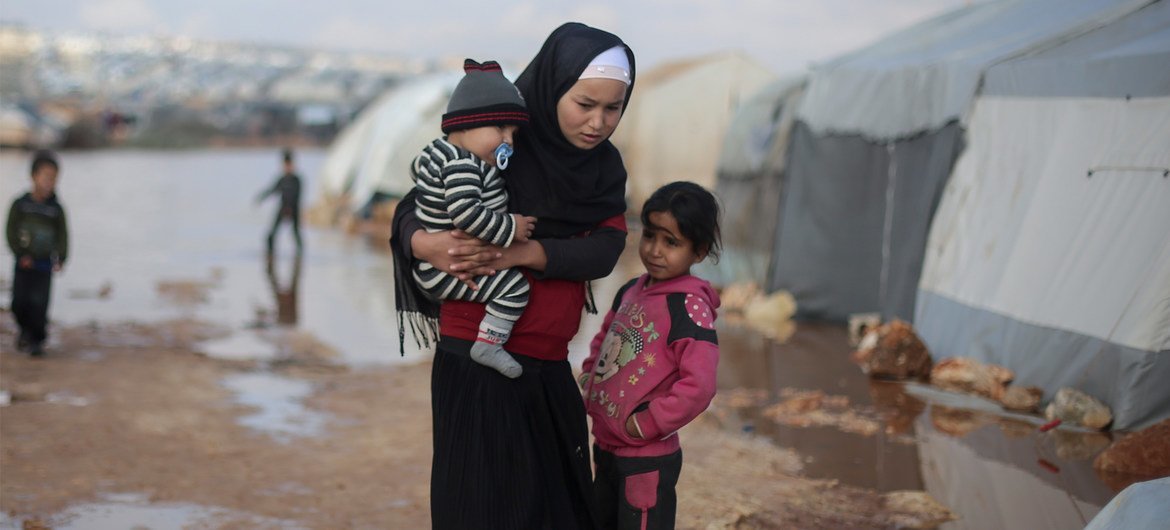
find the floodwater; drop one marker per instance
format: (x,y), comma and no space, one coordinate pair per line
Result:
(135,511)
(176,235)
(993,470)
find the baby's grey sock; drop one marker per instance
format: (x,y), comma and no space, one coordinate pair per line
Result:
(488,348)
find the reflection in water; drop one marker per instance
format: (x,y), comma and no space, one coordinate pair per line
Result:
(997,473)
(816,357)
(286,295)
(895,407)
(279,405)
(347,286)
(993,469)
(121,511)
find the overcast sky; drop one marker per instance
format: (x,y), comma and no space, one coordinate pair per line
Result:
(784,35)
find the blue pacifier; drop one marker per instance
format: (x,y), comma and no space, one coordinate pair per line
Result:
(503,152)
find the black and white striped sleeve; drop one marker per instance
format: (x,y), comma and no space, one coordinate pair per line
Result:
(463,183)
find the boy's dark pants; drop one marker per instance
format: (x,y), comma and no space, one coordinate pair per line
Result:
(291,215)
(30,302)
(636,493)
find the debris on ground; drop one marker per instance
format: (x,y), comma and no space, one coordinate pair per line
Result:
(916,509)
(807,408)
(771,315)
(1140,455)
(969,376)
(893,351)
(1022,398)
(184,292)
(860,325)
(740,398)
(735,297)
(1073,406)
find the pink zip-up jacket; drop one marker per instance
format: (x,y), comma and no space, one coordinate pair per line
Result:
(656,356)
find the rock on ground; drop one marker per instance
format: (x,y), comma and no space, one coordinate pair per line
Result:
(968,376)
(1073,406)
(1145,453)
(1022,398)
(894,351)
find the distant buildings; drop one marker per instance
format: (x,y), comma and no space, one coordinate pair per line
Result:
(88,90)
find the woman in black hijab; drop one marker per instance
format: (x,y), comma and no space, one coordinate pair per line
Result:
(514,453)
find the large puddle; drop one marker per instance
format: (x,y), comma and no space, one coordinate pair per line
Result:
(133,511)
(278,405)
(992,470)
(160,236)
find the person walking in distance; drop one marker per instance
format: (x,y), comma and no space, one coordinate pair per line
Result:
(288,186)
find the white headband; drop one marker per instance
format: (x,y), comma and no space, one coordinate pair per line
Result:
(610,64)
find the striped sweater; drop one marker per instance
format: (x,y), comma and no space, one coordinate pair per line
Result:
(458,190)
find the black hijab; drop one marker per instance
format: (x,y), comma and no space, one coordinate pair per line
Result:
(567,188)
(570,190)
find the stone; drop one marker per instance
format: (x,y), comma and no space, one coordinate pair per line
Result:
(736,297)
(893,351)
(772,314)
(1145,453)
(1022,398)
(916,509)
(968,376)
(1073,406)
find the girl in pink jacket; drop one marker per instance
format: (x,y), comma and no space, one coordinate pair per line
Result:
(651,368)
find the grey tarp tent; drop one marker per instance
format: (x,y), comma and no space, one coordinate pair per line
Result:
(1050,250)
(876,137)
(749,182)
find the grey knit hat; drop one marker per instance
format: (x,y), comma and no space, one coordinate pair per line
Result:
(484,97)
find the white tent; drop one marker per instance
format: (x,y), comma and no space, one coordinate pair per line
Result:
(373,154)
(677,119)
(1050,250)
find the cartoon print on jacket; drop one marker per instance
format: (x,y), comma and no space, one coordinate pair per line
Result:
(622,344)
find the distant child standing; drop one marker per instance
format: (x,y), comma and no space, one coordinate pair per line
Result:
(288,186)
(651,368)
(39,239)
(460,186)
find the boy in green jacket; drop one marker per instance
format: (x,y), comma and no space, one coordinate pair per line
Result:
(39,239)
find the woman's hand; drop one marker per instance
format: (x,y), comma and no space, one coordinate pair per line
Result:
(453,251)
(466,257)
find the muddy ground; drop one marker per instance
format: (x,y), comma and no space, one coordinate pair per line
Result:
(134,409)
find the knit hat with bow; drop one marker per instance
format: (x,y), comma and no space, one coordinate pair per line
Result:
(484,97)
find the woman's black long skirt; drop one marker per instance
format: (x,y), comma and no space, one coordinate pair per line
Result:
(508,453)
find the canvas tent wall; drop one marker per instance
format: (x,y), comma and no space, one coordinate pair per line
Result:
(1050,251)
(373,155)
(677,119)
(876,137)
(749,182)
